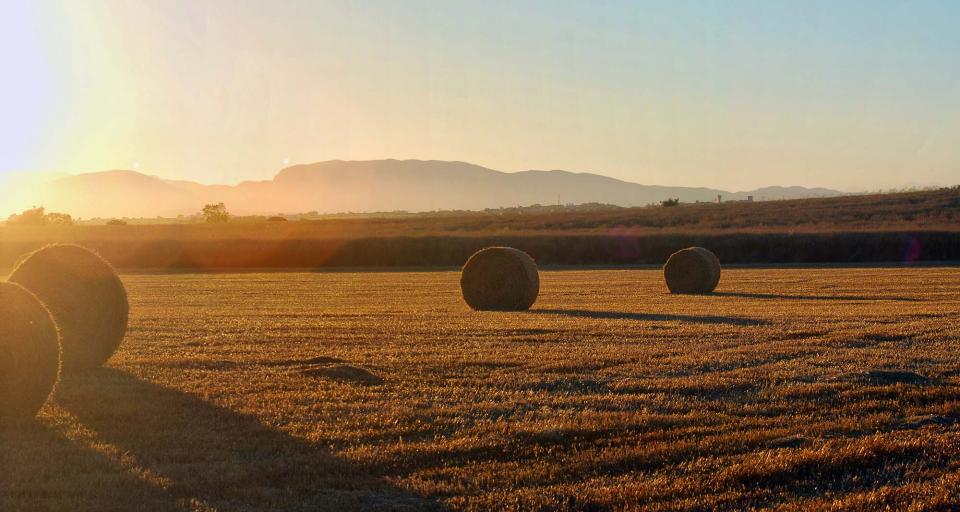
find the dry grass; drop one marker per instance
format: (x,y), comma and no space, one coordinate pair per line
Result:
(797,389)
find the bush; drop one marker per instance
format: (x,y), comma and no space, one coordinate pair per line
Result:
(31,217)
(216,213)
(39,217)
(59,219)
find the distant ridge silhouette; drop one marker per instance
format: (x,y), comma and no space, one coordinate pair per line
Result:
(368,186)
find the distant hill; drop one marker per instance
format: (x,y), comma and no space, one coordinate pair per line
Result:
(366,186)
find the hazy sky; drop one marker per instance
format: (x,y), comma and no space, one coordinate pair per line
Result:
(736,95)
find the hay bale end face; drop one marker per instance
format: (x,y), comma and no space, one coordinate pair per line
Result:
(85,297)
(500,279)
(692,270)
(29,353)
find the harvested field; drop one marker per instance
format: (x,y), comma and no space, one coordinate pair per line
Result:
(800,389)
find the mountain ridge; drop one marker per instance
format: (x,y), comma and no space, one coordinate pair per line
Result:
(369,185)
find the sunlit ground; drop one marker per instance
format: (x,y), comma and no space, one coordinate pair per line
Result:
(794,388)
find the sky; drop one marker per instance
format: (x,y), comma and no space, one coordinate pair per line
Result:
(727,94)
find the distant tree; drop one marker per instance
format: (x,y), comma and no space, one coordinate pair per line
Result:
(216,213)
(32,217)
(39,217)
(666,203)
(116,222)
(277,218)
(58,219)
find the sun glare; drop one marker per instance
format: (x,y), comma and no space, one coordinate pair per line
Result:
(26,90)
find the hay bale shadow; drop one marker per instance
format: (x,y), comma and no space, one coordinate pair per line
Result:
(882,377)
(652,317)
(227,460)
(792,441)
(926,420)
(44,470)
(305,362)
(784,296)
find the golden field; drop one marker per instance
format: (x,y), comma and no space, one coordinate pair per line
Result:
(787,389)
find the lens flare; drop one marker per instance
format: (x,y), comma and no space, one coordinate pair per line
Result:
(912,251)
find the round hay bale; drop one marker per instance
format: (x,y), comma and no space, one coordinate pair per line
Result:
(500,279)
(85,297)
(29,353)
(692,270)
(715,262)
